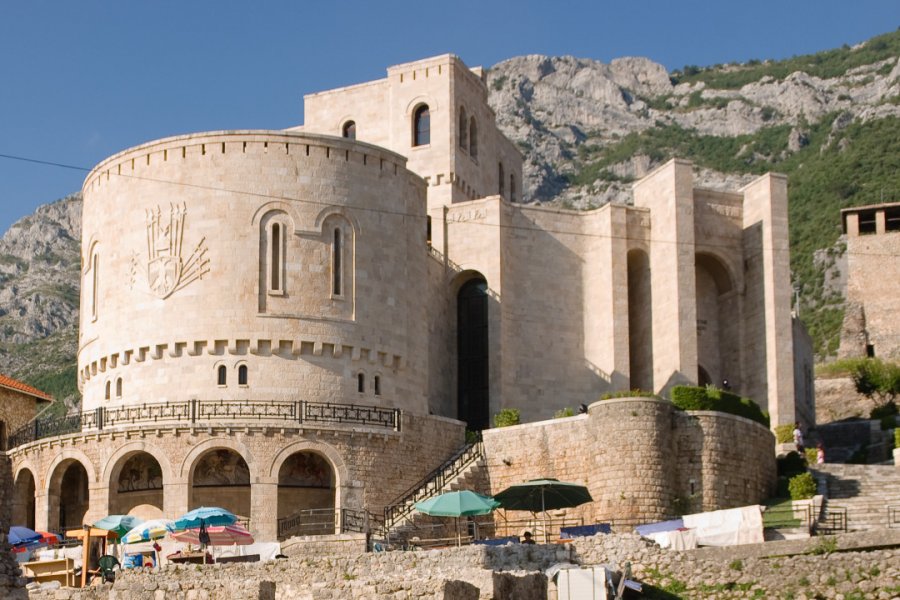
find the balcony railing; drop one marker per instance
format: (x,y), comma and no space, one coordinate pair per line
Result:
(208,412)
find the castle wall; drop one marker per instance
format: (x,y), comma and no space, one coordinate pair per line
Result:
(641,459)
(372,466)
(873,260)
(219,194)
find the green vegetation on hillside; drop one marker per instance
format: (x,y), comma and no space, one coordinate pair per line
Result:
(856,165)
(830,63)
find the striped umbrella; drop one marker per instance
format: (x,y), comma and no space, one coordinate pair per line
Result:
(149,530)
(219,535)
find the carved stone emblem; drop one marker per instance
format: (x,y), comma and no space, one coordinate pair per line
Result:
(165,270)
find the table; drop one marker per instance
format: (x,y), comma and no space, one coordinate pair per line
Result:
(194,558)
(57,569)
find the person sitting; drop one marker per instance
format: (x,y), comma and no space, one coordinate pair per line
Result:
(527,538)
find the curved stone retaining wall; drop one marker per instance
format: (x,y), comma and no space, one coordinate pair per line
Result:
(641,458)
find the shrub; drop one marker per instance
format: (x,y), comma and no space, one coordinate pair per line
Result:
(507,417)
(802,486)
(897,438)
(628,394)
(563,413)
(826,545)
(711,398)
(812,455)
(784,434)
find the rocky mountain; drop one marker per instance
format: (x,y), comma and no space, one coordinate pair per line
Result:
(40,258)
(830,121)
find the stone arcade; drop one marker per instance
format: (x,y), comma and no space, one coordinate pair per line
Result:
(308,319)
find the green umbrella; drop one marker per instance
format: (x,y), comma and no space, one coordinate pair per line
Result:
(543,495)
(118,524)
(463,503)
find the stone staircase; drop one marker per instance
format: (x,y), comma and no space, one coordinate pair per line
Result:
(463,470)
(870,494)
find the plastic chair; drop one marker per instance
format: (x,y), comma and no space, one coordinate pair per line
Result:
(107,565)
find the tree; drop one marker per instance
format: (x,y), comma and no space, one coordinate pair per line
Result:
(877,380)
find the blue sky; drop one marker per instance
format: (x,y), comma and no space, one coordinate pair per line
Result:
(82,80)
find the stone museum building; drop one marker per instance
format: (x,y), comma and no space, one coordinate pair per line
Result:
(285,322)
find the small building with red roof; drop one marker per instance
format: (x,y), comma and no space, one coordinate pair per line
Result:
(18,405)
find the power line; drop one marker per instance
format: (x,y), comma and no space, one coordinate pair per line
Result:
(392,212)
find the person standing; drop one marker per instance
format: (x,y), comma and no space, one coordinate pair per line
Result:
(798,438)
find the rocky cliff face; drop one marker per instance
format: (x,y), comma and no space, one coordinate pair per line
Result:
(554,107)
(39,292)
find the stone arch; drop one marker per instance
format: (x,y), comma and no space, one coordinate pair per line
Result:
(640,320)
(417,101)
(331,211)
(127,494)
(228,470)
(472,350)
(68,489)
(312,506)
(718,321)
(23,498)
(189,461)
(275,206)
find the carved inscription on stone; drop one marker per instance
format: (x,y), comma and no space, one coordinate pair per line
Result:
(722,209)
(163,268)
(474,214)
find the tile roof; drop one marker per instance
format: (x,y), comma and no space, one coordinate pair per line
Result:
(12,384)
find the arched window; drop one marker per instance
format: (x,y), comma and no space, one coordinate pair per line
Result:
(349,130)
(276,258)
(360,383)
(119,387)
(336,262)
(222,375)
(377,384)
(95,285)
(501,178)
(242,375)
(473,138)
(463,129)
(422,126)
(512,187)
(108,390)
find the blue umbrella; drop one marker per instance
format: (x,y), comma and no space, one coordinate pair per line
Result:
(205,515)
(20,536)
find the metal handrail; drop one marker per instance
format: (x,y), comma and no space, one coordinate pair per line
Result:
(432,483)
(207,412)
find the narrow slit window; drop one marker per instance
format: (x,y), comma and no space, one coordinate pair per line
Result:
(422,126)
(349,130)
(501,178)
(95,285)
(108,390)
(463,129)
(222,375)
(377,384)
(336,266)
(242,375)
(360,383)
(119,387)
(276,257)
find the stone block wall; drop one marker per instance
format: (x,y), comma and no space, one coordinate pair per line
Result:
(642,460)
(16,409)
(11,586)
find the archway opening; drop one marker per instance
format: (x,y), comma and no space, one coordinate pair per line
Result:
(718,323)
(221,477)
(640,321)
(473,373)
(69,500)
(137,482)
(306,496)
(23,500)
